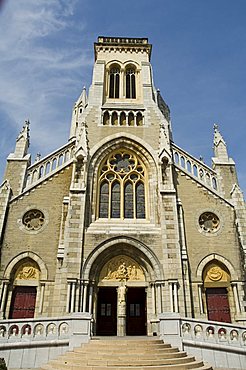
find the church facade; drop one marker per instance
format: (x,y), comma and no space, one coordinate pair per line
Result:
(120,222)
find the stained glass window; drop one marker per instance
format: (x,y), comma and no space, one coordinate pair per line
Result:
(122,181)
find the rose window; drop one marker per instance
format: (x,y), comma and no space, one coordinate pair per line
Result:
(209,222)
(33,219)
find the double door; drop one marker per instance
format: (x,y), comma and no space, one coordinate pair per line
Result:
(135,311)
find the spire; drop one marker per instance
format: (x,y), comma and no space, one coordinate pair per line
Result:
(23,141)
(82,100)
(220,148)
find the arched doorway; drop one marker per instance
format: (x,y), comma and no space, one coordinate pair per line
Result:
(121,299)
(25,278)
(216,279)
(120,277)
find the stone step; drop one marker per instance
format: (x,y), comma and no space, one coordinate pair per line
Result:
(172,353)
(127,362)
(122,354)
(198,365)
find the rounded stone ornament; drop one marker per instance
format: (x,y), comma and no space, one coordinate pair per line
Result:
(209,222)
(33,219)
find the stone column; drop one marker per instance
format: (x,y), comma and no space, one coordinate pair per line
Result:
(199,286)
(236,300)
(90,298)
(121,310)
(153,298)
(175,295)
(42,285)
(84,295)
(4,297)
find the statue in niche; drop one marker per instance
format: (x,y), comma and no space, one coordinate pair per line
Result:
(164,165)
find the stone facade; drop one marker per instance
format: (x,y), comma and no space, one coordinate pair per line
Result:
(120,222)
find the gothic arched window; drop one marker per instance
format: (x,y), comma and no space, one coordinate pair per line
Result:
(114,82)
(122,186)
(130,83)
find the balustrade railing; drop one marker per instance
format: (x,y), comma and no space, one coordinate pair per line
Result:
(214,332)
(34,329)
(49,164)
(194,167)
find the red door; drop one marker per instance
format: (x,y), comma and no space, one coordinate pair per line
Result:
(23,302)
(218,305)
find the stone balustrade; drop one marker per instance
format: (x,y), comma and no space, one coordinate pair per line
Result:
(30,343)
(214,332)
(49,165)
(220,344)
(195,168)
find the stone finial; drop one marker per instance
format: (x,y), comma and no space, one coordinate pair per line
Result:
(23,141)
(220,148)
(82,101)
(38,157)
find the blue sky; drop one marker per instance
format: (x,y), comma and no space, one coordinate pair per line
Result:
(198,58)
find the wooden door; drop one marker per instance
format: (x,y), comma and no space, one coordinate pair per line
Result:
(23,302)
(218,305)
(107,311)
(136,311)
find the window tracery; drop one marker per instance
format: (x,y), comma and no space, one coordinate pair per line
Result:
(122,183)
(209,222)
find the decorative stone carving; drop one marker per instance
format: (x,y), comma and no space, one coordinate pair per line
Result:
(33,219)
(209,222)
(215,273)
(27,271)
(122,268)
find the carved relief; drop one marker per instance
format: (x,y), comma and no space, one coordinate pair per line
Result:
(122,268)
(215,274)
(27,271)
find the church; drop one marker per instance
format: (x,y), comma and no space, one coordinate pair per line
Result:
(120,222)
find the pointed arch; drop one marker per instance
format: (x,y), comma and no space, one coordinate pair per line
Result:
(21,257)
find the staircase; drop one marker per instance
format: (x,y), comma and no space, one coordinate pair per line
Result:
(118,353)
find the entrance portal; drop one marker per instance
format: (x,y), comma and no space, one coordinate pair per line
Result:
(107,311)
(218,305)
(23,302)
(136,311)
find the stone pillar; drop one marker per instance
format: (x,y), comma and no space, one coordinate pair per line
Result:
(4,298)
(85,296)
(121,310)
(40,310)
(199,286)
(153,298)
(90,298)
(236,300)
(175,295)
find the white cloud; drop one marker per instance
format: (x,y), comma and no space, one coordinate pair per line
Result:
(41,63)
